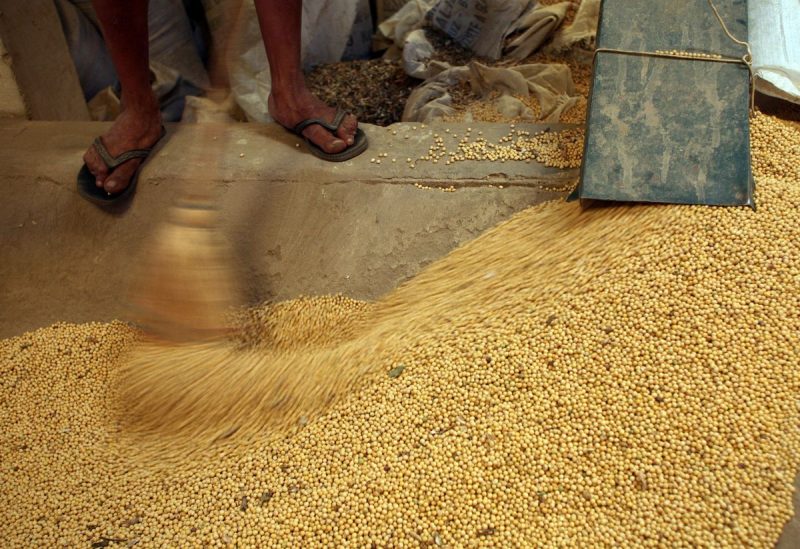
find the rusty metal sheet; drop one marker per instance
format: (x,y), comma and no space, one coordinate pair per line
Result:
(668,129)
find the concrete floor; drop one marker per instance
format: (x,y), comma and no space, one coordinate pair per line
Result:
(297,225)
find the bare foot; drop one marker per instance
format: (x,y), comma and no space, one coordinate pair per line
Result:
(290,108)
(133,129)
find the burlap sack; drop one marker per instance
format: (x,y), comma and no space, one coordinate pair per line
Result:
(583,28)
(533,28)
(431,100)
(417,57)
(479,25)
(551,84)
(410,17)
(775,42)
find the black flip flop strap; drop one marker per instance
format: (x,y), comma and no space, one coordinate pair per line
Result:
(113,162)
(331,127)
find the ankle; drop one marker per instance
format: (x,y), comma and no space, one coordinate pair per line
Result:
(143,107)
(289,90)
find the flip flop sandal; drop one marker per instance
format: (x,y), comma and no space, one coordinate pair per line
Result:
(87,186)
(359,145)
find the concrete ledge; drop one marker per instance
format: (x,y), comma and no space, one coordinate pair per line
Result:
(266,152)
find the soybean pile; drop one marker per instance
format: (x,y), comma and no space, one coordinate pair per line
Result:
(620,376)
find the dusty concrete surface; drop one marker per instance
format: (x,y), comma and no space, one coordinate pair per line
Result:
(298,225)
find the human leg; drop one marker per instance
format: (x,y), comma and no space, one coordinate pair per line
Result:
(290,100)
(124,26)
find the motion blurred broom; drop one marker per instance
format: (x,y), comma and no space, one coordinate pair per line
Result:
(185,290)
(186,377)
(186,383)
(182,299)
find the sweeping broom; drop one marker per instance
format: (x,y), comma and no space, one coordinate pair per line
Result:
(182,301)
(187,383)
(186,376)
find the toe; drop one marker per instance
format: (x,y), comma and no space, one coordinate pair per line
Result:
(325,139)
(96,166)
(347,130)
(121,177)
